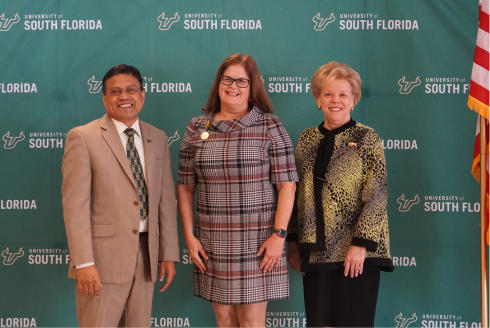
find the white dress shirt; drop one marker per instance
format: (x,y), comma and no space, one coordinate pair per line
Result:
(138,143)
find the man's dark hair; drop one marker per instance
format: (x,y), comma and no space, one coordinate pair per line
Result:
(122,69)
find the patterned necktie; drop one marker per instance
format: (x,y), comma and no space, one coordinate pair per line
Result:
(137,169)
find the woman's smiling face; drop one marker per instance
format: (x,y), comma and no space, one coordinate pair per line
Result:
(231,96)
(336,100)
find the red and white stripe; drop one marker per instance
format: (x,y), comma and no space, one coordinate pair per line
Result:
(480,76)
(479,95)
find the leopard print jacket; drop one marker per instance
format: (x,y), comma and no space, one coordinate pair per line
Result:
(342,179)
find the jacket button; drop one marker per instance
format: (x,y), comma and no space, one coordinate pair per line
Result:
(135,231)
(136,203)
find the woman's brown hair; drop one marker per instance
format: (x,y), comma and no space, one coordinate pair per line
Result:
(258,95)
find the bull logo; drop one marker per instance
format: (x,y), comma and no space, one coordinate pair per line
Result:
(321,23)
(173,138)
(404,322)
(165,22)
(94,85)
(405,205)
(6,24)
(9,258)
(11,142)
(406,87)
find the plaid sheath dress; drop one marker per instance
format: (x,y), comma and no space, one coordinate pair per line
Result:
(235,169)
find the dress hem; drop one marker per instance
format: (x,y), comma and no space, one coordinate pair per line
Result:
(244,303)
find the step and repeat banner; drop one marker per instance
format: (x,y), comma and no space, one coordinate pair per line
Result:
(414,57)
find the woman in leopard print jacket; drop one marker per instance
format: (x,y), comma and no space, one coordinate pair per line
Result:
(338,234)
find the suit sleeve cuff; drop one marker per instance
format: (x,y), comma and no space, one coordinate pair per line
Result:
(84,265)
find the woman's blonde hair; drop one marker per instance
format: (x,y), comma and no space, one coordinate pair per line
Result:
(334,70)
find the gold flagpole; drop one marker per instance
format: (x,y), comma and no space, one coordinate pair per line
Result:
(483,222)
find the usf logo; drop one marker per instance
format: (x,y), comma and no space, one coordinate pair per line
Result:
(406,205)
(404,322)
(406,87)
(173,138)
(11,142)
(165,22)
(95,86)
(6,24)
(9,258)
(321,23)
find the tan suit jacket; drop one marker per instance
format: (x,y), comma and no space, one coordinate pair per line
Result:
(100,201)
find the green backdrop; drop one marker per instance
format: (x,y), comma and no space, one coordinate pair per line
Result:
(414,57)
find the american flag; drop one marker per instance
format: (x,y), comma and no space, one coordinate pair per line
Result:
(479,91)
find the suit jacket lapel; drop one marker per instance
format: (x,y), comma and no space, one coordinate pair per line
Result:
(149,146)
(114,141)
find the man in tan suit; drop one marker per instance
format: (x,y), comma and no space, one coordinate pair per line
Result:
(119,208)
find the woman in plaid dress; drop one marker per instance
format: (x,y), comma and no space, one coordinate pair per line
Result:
(241,159)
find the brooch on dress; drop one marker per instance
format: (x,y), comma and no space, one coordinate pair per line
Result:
(205,134)
(352,144)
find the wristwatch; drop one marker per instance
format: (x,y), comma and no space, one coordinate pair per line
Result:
(281,233)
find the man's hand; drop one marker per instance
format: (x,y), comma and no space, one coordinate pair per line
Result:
(167,267)
(88,281)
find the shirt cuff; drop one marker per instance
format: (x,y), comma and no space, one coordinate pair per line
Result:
(84,265)
(369,244)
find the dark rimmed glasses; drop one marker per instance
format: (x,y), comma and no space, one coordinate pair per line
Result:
(228,80)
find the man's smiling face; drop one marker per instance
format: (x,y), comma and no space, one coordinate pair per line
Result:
(124,98)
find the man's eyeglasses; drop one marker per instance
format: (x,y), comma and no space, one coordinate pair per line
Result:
(117,92)
(228,80)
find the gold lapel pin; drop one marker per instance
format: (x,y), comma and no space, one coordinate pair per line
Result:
(205,134)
